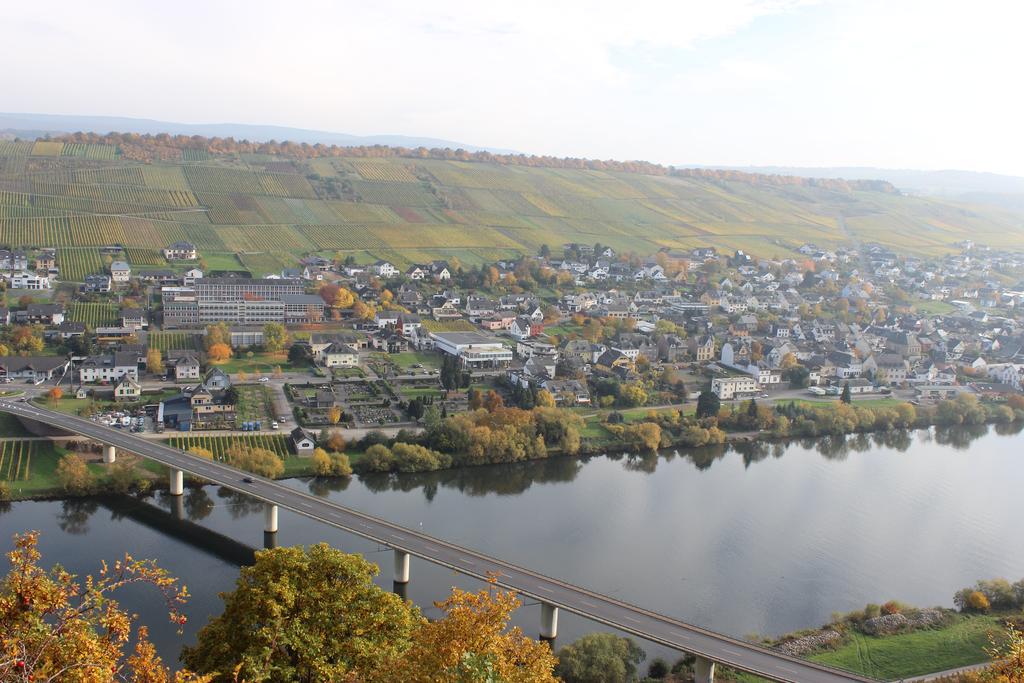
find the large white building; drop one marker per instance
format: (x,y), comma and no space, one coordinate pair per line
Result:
(473,349)
(732,387)
(109,368)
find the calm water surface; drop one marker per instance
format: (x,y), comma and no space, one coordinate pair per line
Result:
(765,538)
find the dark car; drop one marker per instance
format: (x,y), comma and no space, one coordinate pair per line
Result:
(247,480)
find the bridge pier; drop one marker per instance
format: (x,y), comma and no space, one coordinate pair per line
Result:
(401,566)
(269,518)
(269,540)
(178,507)
(177,482)
(109,454)
(703,670)
(548,621)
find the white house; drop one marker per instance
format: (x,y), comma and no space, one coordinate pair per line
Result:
(25,280)
(384,269)
(731,387)
(120,271)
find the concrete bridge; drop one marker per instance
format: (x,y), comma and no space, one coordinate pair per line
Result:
(708,647)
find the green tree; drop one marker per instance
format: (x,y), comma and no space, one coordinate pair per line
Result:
(846,396)
(275,337)
(303,615)
(708,404)
(603,657)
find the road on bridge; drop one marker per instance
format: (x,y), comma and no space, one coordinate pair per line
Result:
(631,619)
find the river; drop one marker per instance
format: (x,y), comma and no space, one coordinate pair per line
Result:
(758,538)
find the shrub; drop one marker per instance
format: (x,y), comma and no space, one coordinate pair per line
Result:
(892,607)
(378,458)
(978,602)
(658,669)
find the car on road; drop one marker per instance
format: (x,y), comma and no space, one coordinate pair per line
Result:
(264,379)
(247,480)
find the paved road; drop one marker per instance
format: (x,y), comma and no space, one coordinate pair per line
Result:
(625,617)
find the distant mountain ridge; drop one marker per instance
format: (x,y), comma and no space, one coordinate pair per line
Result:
(975,186)
(38,125)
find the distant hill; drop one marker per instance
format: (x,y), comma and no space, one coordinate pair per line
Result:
(258,207)
(993,188)
(31,126)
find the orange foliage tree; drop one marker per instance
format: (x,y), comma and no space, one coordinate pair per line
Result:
(54,627)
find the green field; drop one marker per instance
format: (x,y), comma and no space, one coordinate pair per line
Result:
(28,466)
(262,212)
(916,653)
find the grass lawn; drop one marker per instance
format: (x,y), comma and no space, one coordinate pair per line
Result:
(862,402)
(259,364)
(222,261)
(920,652)
(407,359)
(934,307)
(29,467)
(413,392)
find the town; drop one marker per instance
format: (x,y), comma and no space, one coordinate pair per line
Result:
(345,342)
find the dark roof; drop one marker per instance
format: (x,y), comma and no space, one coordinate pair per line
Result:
(299,434)
(39,363)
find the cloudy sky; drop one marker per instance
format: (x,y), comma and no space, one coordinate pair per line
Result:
(893,83)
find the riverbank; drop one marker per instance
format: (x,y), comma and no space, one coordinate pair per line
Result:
(541,433)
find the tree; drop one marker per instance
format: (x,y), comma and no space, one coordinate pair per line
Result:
(472,644)
(798,376)
(27,339)
(321,462)
(57,627)
(603,657)
(633,394)
(154,361)
(73,474)
(336,441)
(201,452)
(708,405)
(846,397)
(219,333)
(259,461)
(299,354)
(334,415)
(275,337)
(55,394)
(219,353)
(343,298)
(1007,655)
(304,615)
(544,399)
(493,401)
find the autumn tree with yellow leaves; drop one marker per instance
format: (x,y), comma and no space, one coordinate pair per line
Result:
(56,627)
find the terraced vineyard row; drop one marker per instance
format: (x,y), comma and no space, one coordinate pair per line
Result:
(219,445)
(16,460)
(171,341)
(93,314)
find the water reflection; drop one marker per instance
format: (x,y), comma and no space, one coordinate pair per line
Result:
(959,437)
(74,515)
(198,504)
(238,504)
(503,480)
